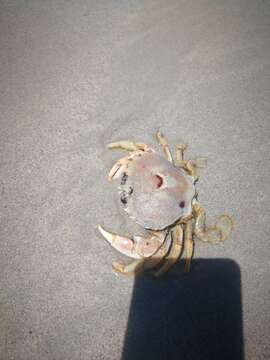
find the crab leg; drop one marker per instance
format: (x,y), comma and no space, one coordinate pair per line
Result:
(193,165)
(128,145)
(162,141)
(138,247)
(130,268)
(174,252)
(213,234)
(225,224)
(189,244)
(180,148)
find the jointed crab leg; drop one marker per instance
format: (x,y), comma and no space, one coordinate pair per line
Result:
(210,234)
(225,224)
(128,145)
(213,234)
(174,252)
(189,244)
(193,165)
(130,268)
(162,141)
(180,148)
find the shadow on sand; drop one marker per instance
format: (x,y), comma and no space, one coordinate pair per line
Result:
(189,317)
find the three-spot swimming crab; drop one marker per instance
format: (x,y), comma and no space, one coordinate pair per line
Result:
(159,194)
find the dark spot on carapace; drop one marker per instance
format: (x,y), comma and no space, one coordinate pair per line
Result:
(182,204)
(124,178)
(160,181)
(130,190)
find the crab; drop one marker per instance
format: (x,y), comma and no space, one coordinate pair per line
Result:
(159,194)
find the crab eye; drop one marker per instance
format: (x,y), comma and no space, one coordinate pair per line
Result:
(182,204)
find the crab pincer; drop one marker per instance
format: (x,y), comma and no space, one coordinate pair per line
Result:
(137,247)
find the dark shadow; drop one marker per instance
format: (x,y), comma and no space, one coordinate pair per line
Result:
(197,316)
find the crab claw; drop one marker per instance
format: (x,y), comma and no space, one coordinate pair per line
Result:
(137,248)
(122,244)
(114,172)
(118,168)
